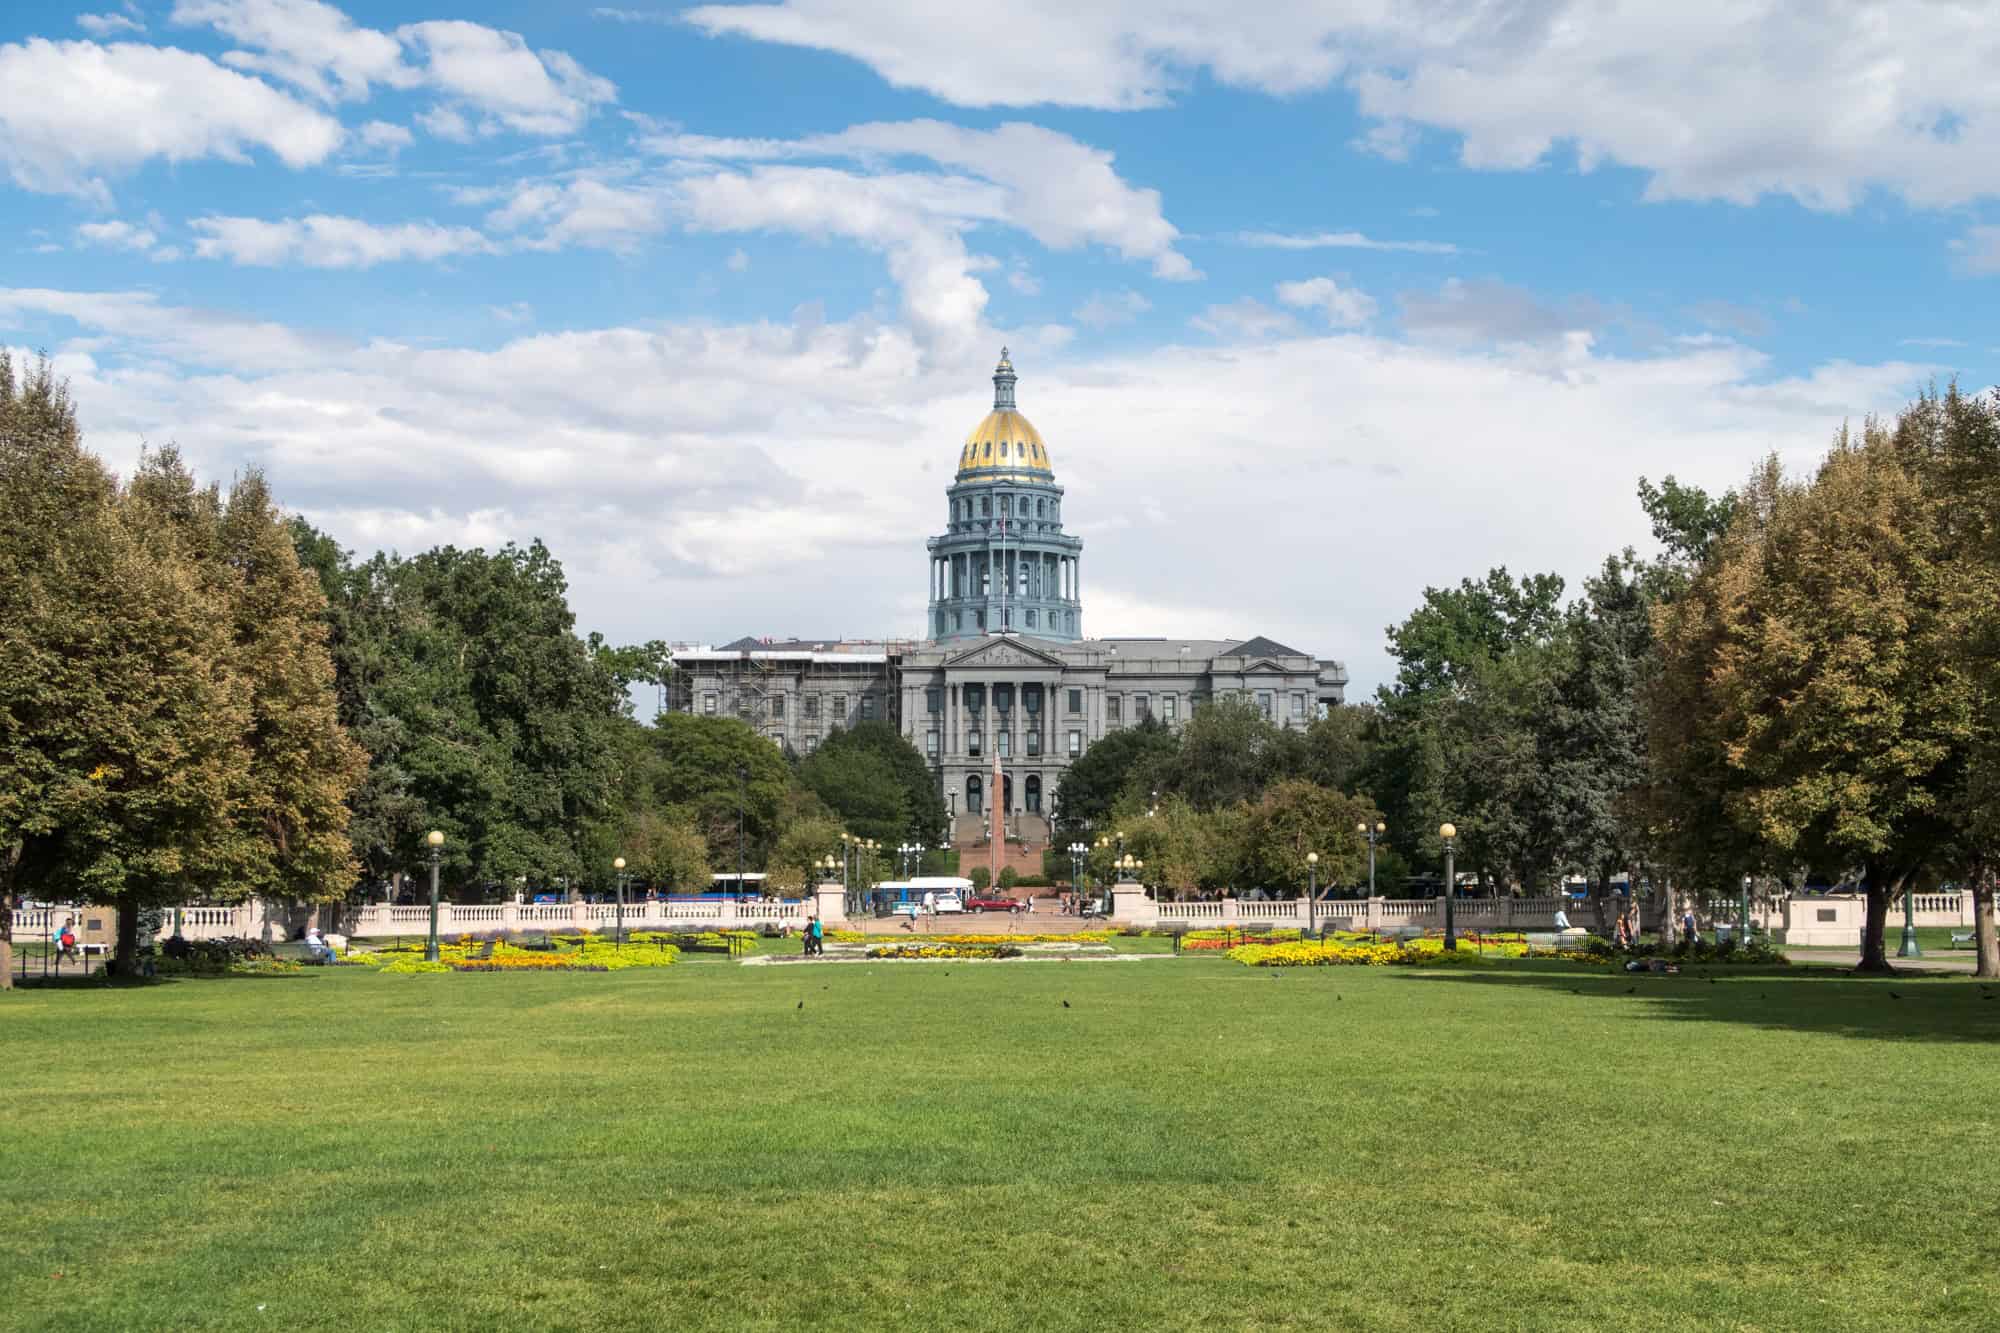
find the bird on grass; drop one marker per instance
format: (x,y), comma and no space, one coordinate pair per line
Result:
(1894,996)
(802,1004)
(1065,1004)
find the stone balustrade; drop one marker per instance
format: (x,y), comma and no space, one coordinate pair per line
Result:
(1804,919)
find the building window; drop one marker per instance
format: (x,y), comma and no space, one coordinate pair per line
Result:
(812,743)
(777,738)
(1113,707)
(958,620)
(1001,742)
(1031,618)
(1076,701)
(982,499)
(839,708)
(1264,704)
(812,708)
(934,699)
(867,708)
(1034,744)
(1298,705)
(1142,707)
(1075,744)
(708,703)
(1169,705)
(1003,698)
(931,743)
(972,742)
(777,705)
(1031,699)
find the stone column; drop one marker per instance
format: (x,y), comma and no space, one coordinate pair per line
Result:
(830,901)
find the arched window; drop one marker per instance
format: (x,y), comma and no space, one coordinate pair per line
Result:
(989,448)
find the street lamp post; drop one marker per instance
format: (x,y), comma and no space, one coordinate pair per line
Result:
(1448,833)
(1909,947)
(742,796)
(435,841)
(1743,918)
(618,925)
(1077,853)
(1371,832)
(1312,891)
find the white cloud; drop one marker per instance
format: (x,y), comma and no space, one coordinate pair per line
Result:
(383,134)
(634,15)
(583,210)
(1247,319)
(488,72)
(72,112)
(1727,99)
(738,261)
(911,220)
(1062,192)
(1102,310)
(321,241)
(1343,307)
(530,92)
(108,25)
(312,46)
(1978,251)
(1489,311)
(647,457)
(1339,240)
(443,122)
(117,235)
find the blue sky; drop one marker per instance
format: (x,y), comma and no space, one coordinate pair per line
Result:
(1316,304)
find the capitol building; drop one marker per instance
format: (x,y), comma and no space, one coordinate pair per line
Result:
(1004,679)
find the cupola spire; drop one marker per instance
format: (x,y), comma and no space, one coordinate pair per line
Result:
(1003,384)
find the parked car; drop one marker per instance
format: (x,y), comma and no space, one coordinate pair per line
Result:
(905,909)
(949,902)
(991,902)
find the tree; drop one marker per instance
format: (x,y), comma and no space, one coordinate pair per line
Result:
(1101,775)
(714,767)
(1686,520)
(1229,752)
(1819,650)
(121,716)
(877,783)
(1295,819)
(668,853)
(798,849)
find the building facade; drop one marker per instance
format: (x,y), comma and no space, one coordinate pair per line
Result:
(1004,672)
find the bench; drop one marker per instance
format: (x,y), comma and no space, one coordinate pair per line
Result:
(1959,937)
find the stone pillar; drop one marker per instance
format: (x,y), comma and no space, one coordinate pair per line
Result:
(1131,906)
(510,915)
(830,901)
(1230,914)
(1375,916)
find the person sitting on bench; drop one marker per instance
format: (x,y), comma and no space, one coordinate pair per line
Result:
(317,948)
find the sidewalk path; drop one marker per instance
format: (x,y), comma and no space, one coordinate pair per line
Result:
(1930,962)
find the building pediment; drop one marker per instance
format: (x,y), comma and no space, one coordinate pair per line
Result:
(1003,653)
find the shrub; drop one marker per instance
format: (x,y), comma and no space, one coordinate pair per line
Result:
(981,878)
(1008,877)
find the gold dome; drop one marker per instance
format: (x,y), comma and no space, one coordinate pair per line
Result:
(1005,446)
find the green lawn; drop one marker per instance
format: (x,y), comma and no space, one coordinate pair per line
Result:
(1190,1144)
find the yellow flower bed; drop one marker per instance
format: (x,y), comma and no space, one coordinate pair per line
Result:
(1307,953)
(894,951)
(1075,936)
(592,955)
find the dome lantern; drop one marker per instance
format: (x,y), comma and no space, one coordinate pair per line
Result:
(1005,446)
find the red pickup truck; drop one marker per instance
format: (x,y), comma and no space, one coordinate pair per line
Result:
(993,903)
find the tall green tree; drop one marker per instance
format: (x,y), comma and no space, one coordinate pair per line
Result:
(1093,784)
(1819,648)
(868,753)
(121,714)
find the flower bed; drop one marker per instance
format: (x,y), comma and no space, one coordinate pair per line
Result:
(1074,936)
(896,951)
(589,954)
